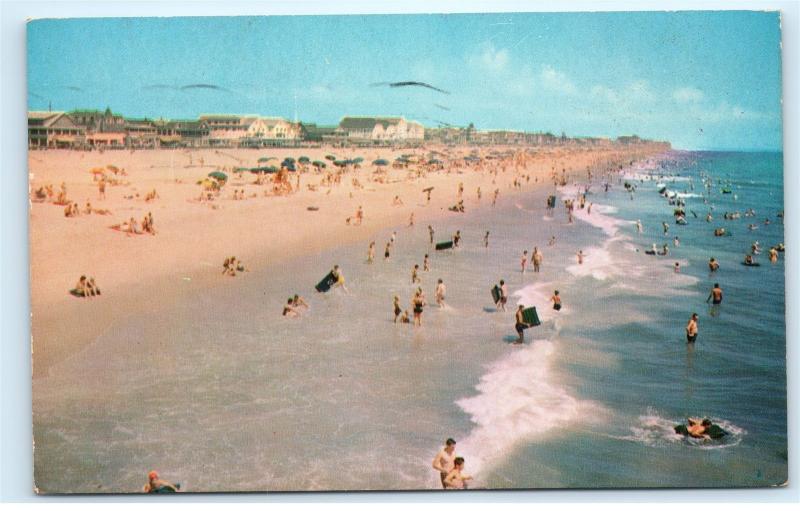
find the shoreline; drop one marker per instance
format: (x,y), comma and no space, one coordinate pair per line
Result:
(60,323)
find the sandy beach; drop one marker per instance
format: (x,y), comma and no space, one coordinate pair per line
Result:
(142,272)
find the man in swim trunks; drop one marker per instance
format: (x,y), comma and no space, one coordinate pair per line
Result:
(556,299)
(520,325)
(503,295)
(715,294)
(443,462)
(691,329)
(713,265)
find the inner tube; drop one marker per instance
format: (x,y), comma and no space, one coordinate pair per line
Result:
(712,431)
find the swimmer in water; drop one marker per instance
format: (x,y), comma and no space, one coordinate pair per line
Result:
(698,428)
(715,295)
(677,267)
(713,265)
(524,261)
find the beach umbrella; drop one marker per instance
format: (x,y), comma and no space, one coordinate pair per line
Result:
(289,159)
(289,165)
(219,176)
(330,157)
(380,162)
(266,159)
(358,159)
(319,164)
(304,159)
(340,163)
(434,161)
(265,170)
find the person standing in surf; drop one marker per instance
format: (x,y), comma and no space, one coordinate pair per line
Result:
(520,325)
(371,252)
(418,303)
(556,299)
(486,240)
(537,259)
(524,261)
(444,459)
(503,295)
(439,294)
(691,329)
(715,295)
(397,309)
(456,479)
(430,232)
(713,265)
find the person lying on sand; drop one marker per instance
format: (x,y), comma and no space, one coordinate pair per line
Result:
(157,485)
(288,310)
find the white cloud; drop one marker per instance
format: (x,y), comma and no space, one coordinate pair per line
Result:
(687,95)
(555,80)
(605,94)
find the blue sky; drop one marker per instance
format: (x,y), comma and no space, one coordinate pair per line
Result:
(698,79)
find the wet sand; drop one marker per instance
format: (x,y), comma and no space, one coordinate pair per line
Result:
(144,272)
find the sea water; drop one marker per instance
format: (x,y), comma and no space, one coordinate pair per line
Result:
(222,393)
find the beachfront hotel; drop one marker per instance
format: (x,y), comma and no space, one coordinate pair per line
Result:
(96,129)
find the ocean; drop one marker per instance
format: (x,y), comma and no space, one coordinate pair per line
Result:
(222,393)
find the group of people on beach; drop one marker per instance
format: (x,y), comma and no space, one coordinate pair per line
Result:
(450,467)
(85,288)
(231,265)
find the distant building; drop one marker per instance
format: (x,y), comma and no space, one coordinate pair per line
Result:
(54,130)
(311,132)
(227,130)
(96,121)
(141,133)
(380,129)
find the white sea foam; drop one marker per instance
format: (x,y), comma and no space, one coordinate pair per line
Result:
(518,400)
(538,295)
(598,263)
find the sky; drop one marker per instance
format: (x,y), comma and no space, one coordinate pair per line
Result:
(701,80)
